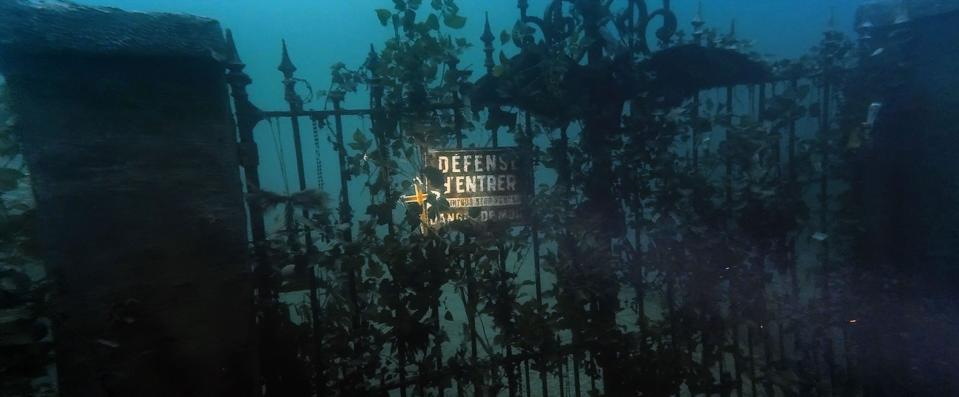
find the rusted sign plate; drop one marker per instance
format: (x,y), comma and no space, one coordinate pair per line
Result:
(486,185)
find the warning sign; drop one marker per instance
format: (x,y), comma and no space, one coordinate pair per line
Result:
(484,184)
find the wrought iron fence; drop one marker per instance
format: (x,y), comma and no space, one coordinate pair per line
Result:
(564,374)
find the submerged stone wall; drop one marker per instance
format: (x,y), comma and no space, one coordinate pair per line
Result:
(125,126)
(911,199)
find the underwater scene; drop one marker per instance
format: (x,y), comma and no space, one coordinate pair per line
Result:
(496,198)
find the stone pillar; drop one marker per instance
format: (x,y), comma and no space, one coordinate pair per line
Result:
(910,191)
(125,125)
(912,175)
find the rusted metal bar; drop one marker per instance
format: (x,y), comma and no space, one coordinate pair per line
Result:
(316,114)
(296,105)
(322,114)
(247,116)
(346,211)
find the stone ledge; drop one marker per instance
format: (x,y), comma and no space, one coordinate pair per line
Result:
(38,27)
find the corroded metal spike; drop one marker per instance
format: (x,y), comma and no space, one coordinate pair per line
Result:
(698,21)
(487,39)
(732,28)
(372,59)
(698,24)
(232,56)
(487,36)
(286,66)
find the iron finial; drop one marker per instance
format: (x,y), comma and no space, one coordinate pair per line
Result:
(698,18)
(487,39)
(372,59)
(286,66)
(487,36)
(698,24)
(237,79)
(232,56)
(730,41)
(523,5)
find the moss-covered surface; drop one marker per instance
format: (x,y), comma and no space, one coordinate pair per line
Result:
(141,220)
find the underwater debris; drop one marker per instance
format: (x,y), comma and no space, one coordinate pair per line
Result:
(108,343)
(288,271)
(873,114)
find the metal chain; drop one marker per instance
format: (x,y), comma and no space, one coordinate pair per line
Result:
(280,155)
(316,152)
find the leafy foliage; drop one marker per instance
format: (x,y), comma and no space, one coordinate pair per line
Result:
(672,231)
